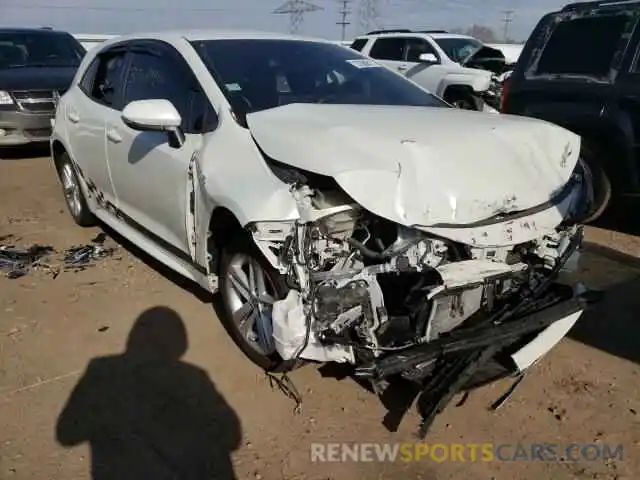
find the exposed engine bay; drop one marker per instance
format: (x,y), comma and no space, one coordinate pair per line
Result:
(376,294)
(493,60)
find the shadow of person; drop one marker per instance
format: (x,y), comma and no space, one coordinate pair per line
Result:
(148,415)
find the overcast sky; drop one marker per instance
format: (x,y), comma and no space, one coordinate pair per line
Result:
(120,16)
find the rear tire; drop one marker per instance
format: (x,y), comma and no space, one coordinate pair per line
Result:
(253,335)
(73,194)
(602,189)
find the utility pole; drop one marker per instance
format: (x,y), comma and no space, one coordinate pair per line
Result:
(296,10)
(344,12)
(369,15)
(507,19)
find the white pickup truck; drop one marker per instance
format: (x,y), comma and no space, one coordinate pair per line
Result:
(440,62)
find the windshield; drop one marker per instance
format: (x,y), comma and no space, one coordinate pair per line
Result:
(260,74)
(39,49)
(458,49)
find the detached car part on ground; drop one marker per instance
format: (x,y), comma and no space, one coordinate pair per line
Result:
(368,223)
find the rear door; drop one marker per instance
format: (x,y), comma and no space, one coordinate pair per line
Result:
(389,51)
(96,97)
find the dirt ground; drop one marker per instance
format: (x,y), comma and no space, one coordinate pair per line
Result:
(56,334)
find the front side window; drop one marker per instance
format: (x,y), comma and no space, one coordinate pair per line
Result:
(39,49)
(154,76)
(261,74)
(107,83)
(416,47)
(458,49)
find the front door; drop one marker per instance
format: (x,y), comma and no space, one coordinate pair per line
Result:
(150,173)
(427,75)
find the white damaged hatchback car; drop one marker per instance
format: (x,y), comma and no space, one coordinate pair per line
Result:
(343,213)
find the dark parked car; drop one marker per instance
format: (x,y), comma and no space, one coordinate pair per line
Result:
(36,67)
(580,69)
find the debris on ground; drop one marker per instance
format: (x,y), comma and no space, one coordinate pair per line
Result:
(79,258)
(19,262)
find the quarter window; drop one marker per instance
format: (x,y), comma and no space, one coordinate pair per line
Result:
(358,44)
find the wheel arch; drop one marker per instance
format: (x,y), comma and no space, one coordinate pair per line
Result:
(223,225)
(457,91)
(605,137)
(57,150)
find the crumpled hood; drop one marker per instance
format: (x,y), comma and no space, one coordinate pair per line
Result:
(423,166)
(488,58)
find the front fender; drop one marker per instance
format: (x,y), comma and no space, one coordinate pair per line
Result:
(611,128)
(478,82)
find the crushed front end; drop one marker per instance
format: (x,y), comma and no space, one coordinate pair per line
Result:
(399,302)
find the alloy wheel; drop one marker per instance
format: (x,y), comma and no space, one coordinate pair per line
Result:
(71,190)
(250,293)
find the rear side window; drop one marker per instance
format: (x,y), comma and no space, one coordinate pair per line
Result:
(583,46)
(358,44)
(388,49)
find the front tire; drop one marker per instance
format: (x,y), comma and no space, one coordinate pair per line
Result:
(249,286)
(602,189)
(73,194)
(463,101)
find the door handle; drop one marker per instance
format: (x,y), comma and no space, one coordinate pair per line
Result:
(402,68)
(73,116)
(113,135)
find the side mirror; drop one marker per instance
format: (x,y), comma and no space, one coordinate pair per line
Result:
(428,58)
(151,115)
(156,115)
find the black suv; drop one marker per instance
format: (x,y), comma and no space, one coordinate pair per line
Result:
(580,69)
(36,67)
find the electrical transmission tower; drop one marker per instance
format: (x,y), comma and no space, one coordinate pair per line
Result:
(507,19)
(344,12)
(296,10)
(368,15)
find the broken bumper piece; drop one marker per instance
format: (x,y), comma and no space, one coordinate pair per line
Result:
(449,364)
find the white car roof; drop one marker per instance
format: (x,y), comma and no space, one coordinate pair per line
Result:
(198,35)
(404,34)
(452,35)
